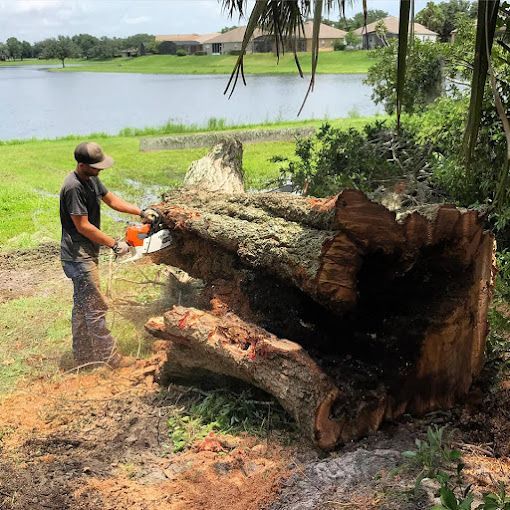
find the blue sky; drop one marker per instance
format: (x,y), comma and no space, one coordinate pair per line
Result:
(34,20)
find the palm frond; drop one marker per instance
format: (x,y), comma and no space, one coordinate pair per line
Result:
(258,10)
(317,18)
(283,20)
(232,6)
(485,29)
(403,36)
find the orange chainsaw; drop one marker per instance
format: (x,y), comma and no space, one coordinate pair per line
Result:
(146,238)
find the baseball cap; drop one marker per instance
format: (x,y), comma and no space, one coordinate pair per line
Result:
(91,154)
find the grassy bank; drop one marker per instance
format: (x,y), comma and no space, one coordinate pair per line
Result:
(335,62)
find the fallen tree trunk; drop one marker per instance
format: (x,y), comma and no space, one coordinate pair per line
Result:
(346,313)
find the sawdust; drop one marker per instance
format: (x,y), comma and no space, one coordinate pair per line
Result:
(100,441)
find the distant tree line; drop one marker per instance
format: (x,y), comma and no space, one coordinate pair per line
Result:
(78,46)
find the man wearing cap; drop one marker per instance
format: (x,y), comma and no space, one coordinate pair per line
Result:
(82,237)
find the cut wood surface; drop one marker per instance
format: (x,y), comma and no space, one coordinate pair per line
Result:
(388,312)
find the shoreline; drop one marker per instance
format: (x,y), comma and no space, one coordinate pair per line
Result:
(263,64)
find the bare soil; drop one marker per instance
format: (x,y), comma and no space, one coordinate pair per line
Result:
(99,440)
(28,272)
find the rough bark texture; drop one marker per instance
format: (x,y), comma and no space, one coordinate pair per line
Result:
(220,170)
(348,313)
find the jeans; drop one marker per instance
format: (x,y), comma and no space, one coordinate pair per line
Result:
(92,340)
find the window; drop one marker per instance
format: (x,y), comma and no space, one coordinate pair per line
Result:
(217,47)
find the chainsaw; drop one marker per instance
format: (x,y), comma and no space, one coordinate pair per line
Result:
(146,238)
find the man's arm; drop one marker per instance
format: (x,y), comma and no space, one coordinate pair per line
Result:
(120,205)
(86,229)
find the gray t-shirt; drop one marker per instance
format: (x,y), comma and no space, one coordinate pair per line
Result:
(81,198)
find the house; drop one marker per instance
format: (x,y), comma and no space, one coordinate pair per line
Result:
(190,43)
(372,38)
(261,42)
(130,52)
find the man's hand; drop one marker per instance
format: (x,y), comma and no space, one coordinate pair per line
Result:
(150,215)
(120,248)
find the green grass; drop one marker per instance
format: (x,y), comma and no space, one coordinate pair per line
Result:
(335,62)
(223,411)
(34,335)
(40,62)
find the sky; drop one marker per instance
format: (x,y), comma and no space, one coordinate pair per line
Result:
(34,20)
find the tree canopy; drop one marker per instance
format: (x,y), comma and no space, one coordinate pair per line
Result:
(444,17)
(358,20)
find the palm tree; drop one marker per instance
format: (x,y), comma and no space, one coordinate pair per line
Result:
(283,19)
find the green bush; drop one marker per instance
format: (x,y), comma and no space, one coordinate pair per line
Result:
(200,53)
(339,45)
(424,77)
(234,52)
(352,40)
(334,159)
(181,53)
(467,184)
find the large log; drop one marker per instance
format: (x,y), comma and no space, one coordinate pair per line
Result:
(387,313)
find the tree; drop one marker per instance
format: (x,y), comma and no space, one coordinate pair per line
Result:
(62,47)
(352,40)
(39,48)
(443,18)
(372,15)
(14,48)
(85,44)
(424,81)
(4,52)
(227,29)
(134,41)
(432,17)
(26,50)
(358,20)
(106,48)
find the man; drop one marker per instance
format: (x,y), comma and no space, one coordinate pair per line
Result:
(82,237)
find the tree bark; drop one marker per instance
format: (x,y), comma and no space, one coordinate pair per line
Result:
(362,314)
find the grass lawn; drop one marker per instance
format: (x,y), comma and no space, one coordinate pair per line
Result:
(39,62)
(334,62)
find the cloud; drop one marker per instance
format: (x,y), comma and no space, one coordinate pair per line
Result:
(36,6)
(136,20)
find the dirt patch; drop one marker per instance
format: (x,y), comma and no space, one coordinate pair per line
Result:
(100,441)
(485,418)
(28,272)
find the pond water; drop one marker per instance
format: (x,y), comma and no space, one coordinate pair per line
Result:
(43,104)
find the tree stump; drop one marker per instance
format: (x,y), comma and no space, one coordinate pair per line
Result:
(220,170)
(347,313)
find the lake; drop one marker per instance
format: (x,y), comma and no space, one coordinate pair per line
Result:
(42,104)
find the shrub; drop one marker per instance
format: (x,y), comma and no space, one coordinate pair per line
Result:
(181,53)
(472,184)
(234,52)
(333,159)
(424,78)
(339,45)
(352,40)
(200,53)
